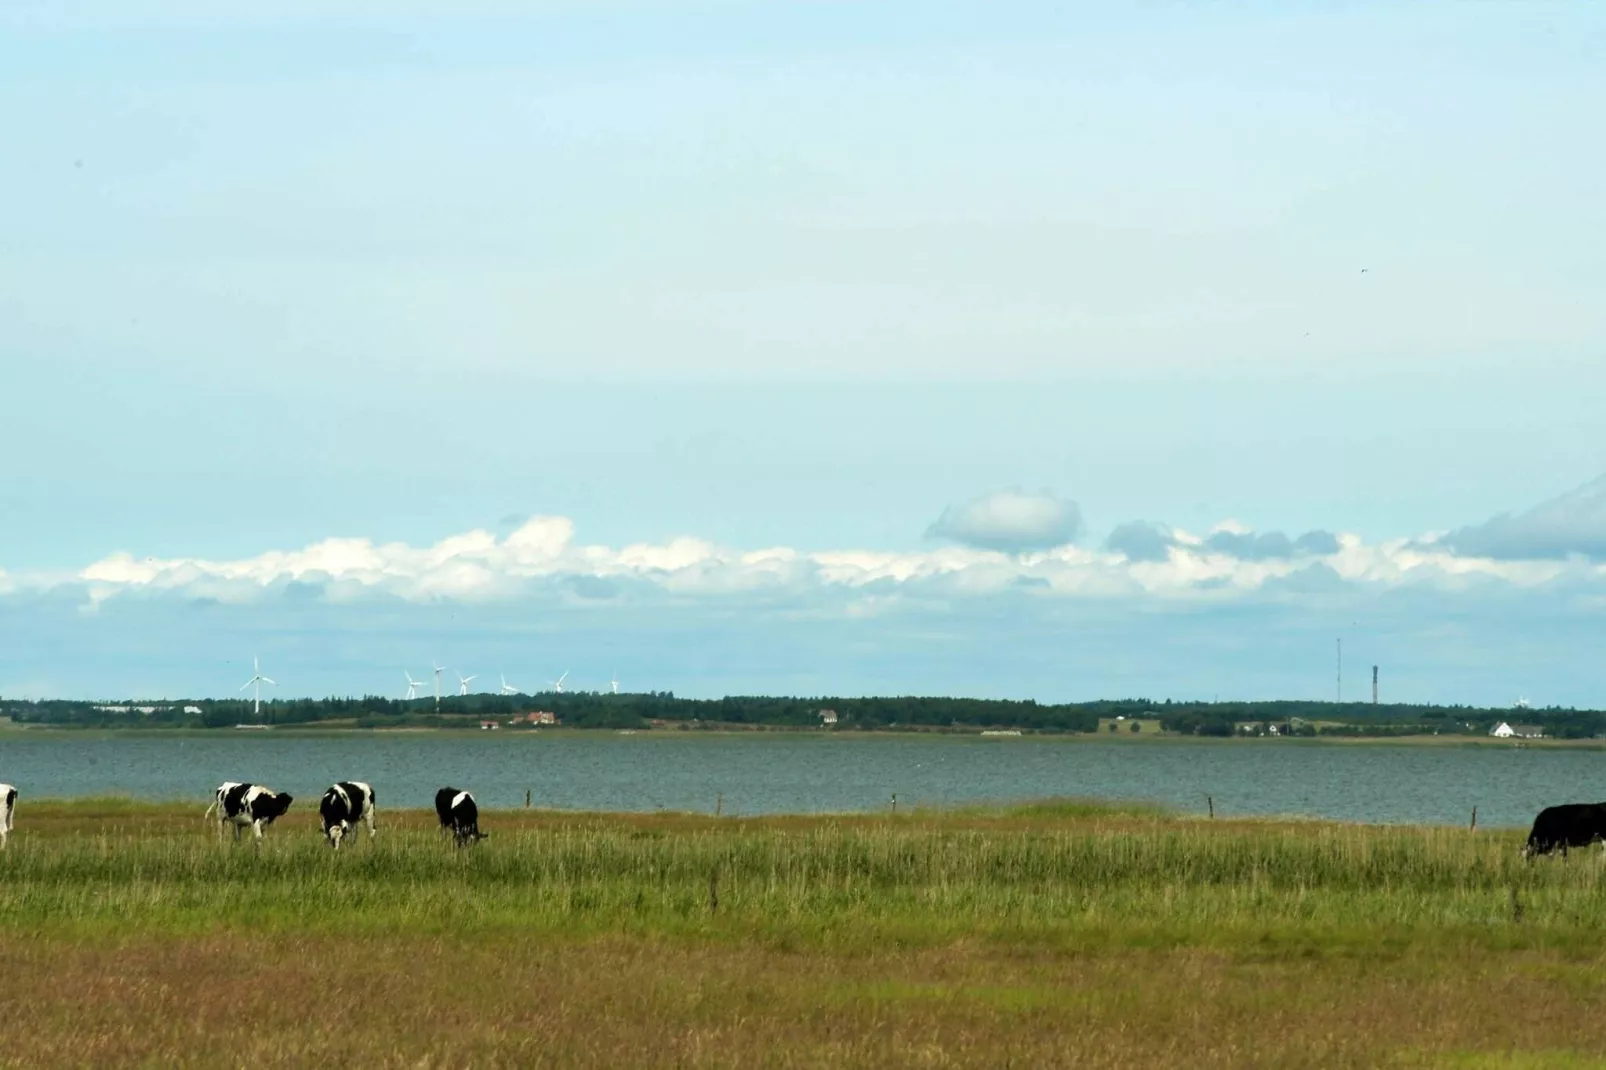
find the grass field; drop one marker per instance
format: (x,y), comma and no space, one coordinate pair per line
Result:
(1039,935)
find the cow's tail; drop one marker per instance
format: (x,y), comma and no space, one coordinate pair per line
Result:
(209,810)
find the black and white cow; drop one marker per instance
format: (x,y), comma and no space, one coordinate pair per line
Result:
(1569,825)
(343,806)
(8,809)
(458,813)
(247,806)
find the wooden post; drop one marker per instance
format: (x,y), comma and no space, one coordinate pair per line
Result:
(894,802)
(719,804)
(526,798)
(1211,803)
(1474,826)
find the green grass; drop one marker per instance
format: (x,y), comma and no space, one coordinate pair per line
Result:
(1062,869)
(1043,933)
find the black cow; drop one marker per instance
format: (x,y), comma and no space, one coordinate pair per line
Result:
(343,806)
(458,813)
(247,806)
(1572,825)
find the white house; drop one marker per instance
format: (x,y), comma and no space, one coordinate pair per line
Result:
(827,718)
(1521,731)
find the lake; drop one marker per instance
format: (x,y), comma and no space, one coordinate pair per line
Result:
(797,773)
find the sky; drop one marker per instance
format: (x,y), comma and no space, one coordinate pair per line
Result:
(1023,349)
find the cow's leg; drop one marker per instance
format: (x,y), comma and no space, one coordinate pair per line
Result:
(370,817)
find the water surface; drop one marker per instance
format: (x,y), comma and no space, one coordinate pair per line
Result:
(801,773)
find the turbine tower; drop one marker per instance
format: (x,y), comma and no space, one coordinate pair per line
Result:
(507,688)
(614,683)
(438,670)
(412,685)
(257,679)
(557,685)
(462,683)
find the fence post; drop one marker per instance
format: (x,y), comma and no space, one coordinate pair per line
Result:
(894,802)
(1211,803)
(526,798)
(719,804)
(1474,826)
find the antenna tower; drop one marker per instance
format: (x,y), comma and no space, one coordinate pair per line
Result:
(1374,685)
(1340,691)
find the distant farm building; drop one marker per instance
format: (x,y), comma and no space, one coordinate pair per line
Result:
(1517,731)
(536,717)
(827,718)
(489,726)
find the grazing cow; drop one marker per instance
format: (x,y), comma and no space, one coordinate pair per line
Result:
(1572,825)
(343,806)
(458,813)
(443,806)
(8,807)
(247,806)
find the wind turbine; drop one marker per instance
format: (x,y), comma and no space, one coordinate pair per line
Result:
(258,679)
(615,682)
(507,688)
(557,685)
(438,670)
(462,683)
(412,685)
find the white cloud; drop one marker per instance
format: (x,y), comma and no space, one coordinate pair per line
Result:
(1013,521)
(707,619)
(476,566)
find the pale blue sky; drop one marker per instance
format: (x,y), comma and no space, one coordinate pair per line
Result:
(798,275)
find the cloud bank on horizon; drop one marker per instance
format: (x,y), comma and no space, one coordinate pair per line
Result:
(1007,540)
(1025,604)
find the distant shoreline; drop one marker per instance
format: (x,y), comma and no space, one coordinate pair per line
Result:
(14,731)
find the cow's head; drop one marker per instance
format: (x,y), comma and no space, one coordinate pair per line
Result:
(336,833)
(272,806)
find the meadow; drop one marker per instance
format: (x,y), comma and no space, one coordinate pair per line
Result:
(1047,934)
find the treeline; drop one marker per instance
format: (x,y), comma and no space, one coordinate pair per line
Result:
(574,709)
(1365,719)
(645,710)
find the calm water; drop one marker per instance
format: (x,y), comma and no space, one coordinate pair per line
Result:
(771,774)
